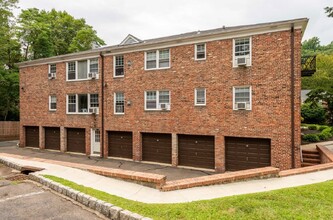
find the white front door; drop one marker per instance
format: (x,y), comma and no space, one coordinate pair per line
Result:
(95,142)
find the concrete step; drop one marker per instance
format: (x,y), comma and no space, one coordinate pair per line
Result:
(304,164)
(311,160)
(313,156)
(310,152)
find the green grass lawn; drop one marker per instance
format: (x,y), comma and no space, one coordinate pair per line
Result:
(305,202)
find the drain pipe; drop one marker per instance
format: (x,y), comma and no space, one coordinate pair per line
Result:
(102,106)
(292,68)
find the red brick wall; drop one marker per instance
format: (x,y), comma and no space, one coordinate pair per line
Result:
(269,77)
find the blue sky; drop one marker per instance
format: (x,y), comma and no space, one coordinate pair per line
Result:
(145,19)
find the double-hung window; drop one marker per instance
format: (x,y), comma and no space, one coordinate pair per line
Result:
(52,71)
(118,64)
(242,51)
(157,59)
(119,103)
(242,96)
(93,65)
(200,51)
(81,103)
(52,103)
(157,100)
(82,69)
(200,96)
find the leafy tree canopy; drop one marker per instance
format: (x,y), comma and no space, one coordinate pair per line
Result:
(51,33)
(329,11)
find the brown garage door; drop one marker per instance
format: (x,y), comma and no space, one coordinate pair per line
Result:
(156,147)
(52,138)
(196,151)
(247,153)
(76,140)
(120,144)
(32,136)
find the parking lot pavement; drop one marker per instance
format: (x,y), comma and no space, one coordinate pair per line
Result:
(8,143)
(27,200)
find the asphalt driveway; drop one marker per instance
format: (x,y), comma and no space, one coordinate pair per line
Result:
(26,200)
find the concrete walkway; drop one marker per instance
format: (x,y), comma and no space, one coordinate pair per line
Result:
(144,194)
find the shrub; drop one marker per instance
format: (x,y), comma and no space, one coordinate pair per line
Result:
(312,127)
(313,114)
(311,137)
(322,127)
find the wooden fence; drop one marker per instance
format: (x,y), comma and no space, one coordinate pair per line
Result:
(9,130)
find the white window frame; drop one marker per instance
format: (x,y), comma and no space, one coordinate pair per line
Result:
(77,104)
(114,104)
(157,100)
(114,66)
(50,99)
(247,57)
(76,69)
(55,71)
(157,59)
(234,98)
(196,50)
(195,97)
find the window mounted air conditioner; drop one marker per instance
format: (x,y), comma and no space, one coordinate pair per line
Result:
(93,75)
(241,105)
(164,106)
(51,75)
(241,61)
(94,110)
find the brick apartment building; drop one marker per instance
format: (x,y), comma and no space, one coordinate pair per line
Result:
(224,99)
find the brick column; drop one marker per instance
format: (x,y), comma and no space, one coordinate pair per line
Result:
(88,141)
(63,139)
(22,136)
(174,149)
(105,148)
(41,137)
(219,154)
(137,148)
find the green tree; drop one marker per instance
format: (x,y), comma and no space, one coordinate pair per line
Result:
(9,44)
(9,93)
(313,114)
(329,11)
(326,97)
(51,33)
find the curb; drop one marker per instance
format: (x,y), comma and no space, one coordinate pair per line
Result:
(107,209)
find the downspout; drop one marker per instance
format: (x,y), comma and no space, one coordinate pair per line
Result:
(102,106)
(292,68)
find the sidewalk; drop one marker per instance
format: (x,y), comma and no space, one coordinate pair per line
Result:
(144,194)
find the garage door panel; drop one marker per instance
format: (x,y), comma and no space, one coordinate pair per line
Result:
(247,153)
(76,140)
(120,144)
(157,147)
(32,136)
(52,138)
(196,151)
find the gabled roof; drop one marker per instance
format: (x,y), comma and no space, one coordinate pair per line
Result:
(130,39)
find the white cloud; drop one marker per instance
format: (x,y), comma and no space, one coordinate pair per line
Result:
(146,19)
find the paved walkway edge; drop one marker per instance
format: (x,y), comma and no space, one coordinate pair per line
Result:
(107,209)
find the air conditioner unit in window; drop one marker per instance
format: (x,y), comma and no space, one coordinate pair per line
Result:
(241,61)
(51,75)
(164,106)
(93,75)
(241,105)
(94,110)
